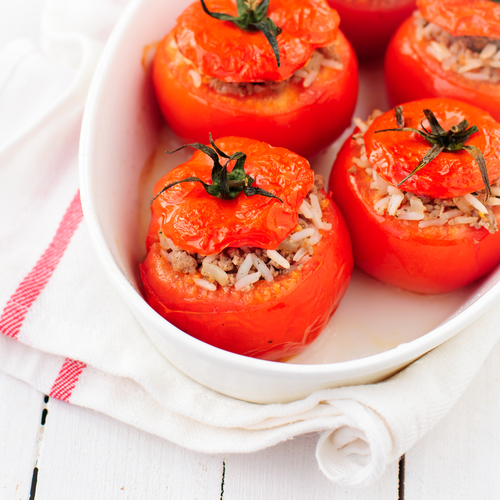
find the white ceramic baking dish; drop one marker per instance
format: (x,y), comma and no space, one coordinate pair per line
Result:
(376,331)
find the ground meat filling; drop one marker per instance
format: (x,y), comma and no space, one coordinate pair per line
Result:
(472,209)
(474,57)
(241,267)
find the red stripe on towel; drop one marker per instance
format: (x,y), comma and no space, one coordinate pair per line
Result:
(18,305)
(67,379)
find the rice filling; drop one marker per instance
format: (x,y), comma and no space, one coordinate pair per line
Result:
(241,267)
(474,57)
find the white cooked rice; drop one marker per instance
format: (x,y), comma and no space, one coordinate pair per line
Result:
(247,280)
(300,235)
(205,284)
(301,253)
(278,259)
(315,238)
(261,266)
(166,243)
(394,203)
(196,77)
(297,248)
(244,268)
(475,203)
(331,63)
(450,214)
(382,204)
(215,272)
(408,215)
(306,210)
(432,222)
(209,258)
(462,220)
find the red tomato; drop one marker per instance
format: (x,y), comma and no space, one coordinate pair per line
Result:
(434,259)
(200,223)
(296,117)
(395,154)
(369,24)
(274,319)
(412,73)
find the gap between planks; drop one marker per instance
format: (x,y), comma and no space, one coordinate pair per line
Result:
(39,447)
(223,479)
(401,486)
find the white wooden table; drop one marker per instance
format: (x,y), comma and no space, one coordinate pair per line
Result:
(80,454)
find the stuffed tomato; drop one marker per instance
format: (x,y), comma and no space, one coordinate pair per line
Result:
(449,48)
(211,75)
(258,272)
(422,204)
(369,24)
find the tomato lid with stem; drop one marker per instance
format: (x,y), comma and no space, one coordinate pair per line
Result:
(199,222)
(221,49)
(451,166)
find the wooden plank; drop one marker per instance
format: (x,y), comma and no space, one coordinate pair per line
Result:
(20,414)
(290,471)
(460,457)
(88,455)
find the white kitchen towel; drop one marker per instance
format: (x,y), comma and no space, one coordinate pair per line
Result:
(67,333)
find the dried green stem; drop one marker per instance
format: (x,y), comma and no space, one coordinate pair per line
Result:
(225,185)
(252,16)
(451,140)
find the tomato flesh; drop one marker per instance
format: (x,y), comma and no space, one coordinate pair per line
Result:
(398,252)
(411,74)
(304,120)
(274,319)
(369,24)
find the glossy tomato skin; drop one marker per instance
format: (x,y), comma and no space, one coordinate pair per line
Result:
(395,154)
(224,51)
(424,260)
(200,223)
(411,74)
(369,25)
(272,321)
(304,120)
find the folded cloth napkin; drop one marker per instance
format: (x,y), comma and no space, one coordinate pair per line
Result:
(66,332)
